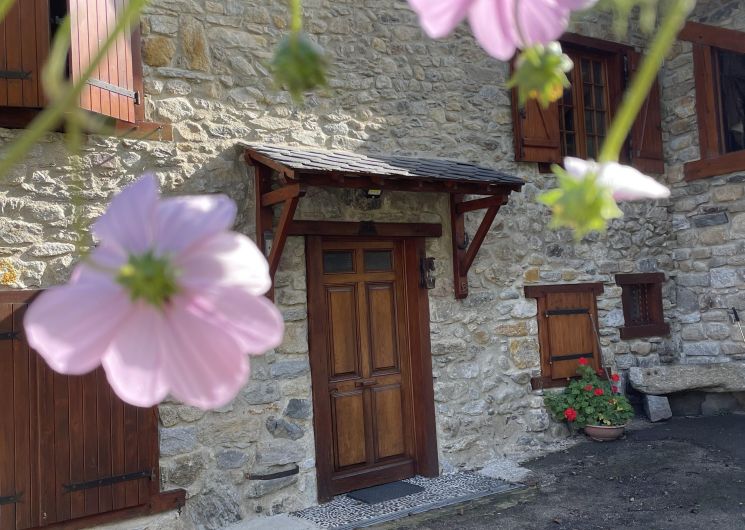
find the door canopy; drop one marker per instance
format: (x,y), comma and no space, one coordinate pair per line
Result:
(284,173)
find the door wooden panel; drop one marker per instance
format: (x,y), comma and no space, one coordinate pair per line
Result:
(343,341)
(381,308)
(361,363)
(389,416)
(349,429)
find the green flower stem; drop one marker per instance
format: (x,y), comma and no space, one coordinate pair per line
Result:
(5,6)
(68,98)
(644,79)
(296,14)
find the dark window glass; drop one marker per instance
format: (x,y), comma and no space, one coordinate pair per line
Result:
(338,261)
(378,260)
(732,108)
(639,308)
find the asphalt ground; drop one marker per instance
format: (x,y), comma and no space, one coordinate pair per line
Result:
(687,473)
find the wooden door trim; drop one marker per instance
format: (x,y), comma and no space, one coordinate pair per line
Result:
(423,407)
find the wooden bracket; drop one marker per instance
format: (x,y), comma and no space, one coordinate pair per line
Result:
(288,197)
(463,252)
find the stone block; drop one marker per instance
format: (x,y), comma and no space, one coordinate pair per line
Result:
(215,507)
(281,428)
(721,278)
(260,392)
(524,309)
(184,470)
(290,368)
(657,408)
(659,380)
(158,51)
(231,459)
(259,488)
(694,279)
(279,453)
(177,440)
(705,349)
(710,219)
(298,409)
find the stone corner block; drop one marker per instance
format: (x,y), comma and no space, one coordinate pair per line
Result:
(657,408)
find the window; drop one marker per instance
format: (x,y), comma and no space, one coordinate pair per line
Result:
(642,305)
(583,111)
(567,330)
(719,74)
(577,124)
(115,88)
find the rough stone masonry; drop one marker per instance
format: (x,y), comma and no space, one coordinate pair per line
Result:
(391,90)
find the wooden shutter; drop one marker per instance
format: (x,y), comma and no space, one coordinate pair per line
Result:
(537,135)
(69,448)
(24,44)
(114,89)
(567,321)
(646,135)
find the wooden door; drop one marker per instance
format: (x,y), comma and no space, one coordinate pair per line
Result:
(361,359)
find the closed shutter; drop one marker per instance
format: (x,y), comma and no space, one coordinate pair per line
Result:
(569,320)
(69,448)
(537,134)
(24,45)
(567,323)
(647,153)
(113,89)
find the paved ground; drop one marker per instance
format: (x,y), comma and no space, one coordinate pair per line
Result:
(688,473)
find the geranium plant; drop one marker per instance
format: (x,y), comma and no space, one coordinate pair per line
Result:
(590,400)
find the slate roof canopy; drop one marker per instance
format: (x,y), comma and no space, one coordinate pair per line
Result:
(315,161)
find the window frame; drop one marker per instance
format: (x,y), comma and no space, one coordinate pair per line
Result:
(18,117)
(707,41)
(656,325)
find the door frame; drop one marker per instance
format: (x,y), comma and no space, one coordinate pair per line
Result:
(417,308)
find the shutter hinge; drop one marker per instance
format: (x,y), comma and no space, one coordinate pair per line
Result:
(626,70)
(137,98)
(11,499)
(8,335)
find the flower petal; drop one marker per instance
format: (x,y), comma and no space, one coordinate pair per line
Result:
(181,222)
(493,25)
(72,326)
(579,168)
(629,184)
(253,321)
(205,366)
(541,21)
(575,5)
(439,17)
(225,259)
(134,359)
(128,221)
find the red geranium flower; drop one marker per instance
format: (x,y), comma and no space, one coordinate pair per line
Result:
(614,388)
(601,372)
(615,378)
(588,387)
(599,392)
(570,414)
(582,361)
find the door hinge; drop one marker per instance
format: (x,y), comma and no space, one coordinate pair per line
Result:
(11,499)
(107,481)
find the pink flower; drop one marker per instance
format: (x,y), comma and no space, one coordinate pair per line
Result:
(498,25)
(169,302)
(626,183)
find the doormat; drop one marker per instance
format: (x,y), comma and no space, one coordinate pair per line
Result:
(385,492)
(344,512)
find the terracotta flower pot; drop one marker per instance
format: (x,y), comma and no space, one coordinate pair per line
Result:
(604,433)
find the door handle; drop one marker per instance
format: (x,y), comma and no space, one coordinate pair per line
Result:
(365,383)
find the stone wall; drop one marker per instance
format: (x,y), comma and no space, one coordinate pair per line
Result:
(708,216)
(391,90)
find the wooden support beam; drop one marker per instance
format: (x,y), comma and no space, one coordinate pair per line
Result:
(264,216)
(338,228)
(478,204)
(478,239)
(464,253)
(282,194)
(280,235)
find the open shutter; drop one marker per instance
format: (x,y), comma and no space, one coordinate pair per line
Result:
(69,447)
(24,43)
(646,135)
(537,135)
(113,88)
